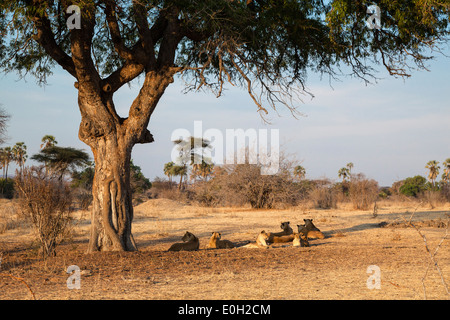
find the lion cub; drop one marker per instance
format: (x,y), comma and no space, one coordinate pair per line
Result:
(301,238)
(216,243)
(190,243)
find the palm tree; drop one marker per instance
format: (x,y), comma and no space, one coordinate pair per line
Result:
(180,171)
(48,141)
(299,172)
(191,150)
(168,170)
(20,154)
(203,170)
(433,168)
(350,167)
(206,169)
(344,173)
(446,174)
(6,157)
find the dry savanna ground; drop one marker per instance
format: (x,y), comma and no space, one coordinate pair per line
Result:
(331,268)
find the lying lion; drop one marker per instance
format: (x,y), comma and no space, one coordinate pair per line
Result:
(190,243)
(286,230)
(287,235)
(216,243)
(280,239)
(313,231)
(261,241)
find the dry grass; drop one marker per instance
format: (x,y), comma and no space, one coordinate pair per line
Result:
(331,268)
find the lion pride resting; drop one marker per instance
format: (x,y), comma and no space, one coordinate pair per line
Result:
(300,239)
(216,243)
(190,243)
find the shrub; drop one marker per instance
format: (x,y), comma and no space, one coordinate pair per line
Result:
(45,201)
(139,183)
(413,186)
(362,191)
(323,197)
(434,198)
(242,184)
(445,191)
(83,197)
(385,193)
(7,188)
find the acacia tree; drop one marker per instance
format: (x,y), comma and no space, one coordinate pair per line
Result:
(267,47)
(61,159)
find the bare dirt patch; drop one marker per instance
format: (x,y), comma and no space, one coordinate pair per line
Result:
(331,268)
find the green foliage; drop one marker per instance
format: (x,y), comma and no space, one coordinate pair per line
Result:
(385,193)
(48,141)
(61,159)
(413,186)
(6,157)
(19,151)
(83,179)
(7,188)
(405,26)
(139,183)
(279,41)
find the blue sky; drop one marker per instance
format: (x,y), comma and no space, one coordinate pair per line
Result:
(389,130)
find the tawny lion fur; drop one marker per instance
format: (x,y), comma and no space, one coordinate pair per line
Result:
(261,241)
(216,243)
(190,243)
(313,231)
(300,240)
(287,235)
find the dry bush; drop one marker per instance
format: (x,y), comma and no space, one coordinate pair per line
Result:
(323,195)
(9,218)
(242,184)
(83,197)
(433,197)
(362,192)
(174,194)
(46,202)
(160,188)
(445,191)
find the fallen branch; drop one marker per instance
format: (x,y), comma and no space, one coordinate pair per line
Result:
(22,280)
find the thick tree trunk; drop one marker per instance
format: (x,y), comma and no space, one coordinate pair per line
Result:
(112,211)
(111,139)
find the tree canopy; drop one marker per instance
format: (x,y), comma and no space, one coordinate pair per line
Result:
(266,47)
(61,159)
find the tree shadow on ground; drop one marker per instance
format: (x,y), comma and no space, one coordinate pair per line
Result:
(355,228)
